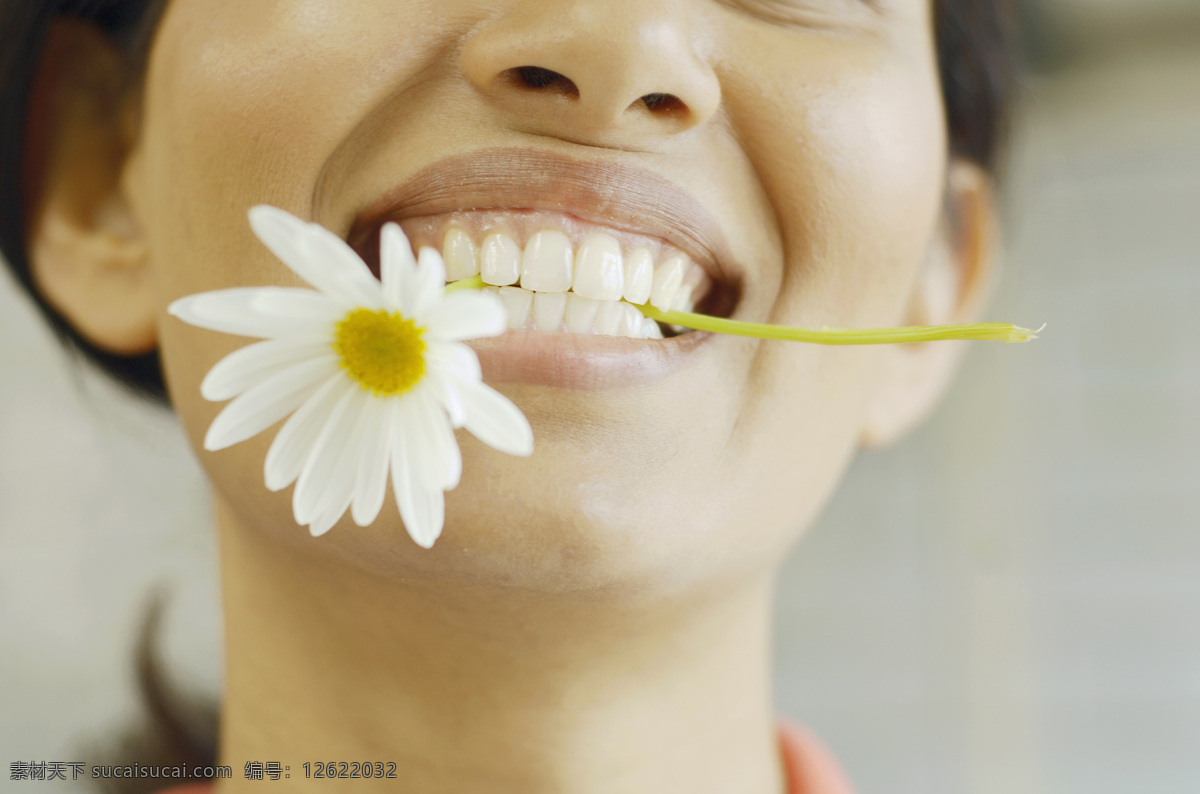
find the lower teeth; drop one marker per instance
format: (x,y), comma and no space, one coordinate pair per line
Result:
(549,312)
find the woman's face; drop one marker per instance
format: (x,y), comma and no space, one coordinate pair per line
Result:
(800,162)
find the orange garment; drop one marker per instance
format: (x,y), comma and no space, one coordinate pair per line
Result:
(808,764)
(809,767)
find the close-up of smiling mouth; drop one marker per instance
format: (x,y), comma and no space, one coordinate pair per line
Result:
(569,246)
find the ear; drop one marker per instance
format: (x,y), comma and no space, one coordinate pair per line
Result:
(951,288)
(88,256)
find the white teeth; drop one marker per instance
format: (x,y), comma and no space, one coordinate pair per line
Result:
(639,276)
(631,322)
(499,260)
(667,278)
(593,290)
(559,311)
(695,277)
(460,254)
(599,272)
(548,309)
(547,262)
(581,313)
(683,299)
(517,302)
(608,317)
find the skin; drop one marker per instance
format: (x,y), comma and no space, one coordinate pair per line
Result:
(595,618)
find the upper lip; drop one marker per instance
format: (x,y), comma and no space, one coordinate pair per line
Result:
(595,191)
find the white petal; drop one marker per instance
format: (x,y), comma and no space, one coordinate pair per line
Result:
(429,516)
(294,242)
(426,458)
(283,233)
(307,500)
(337,489)
(465,315)
(324,522)
(402,483)
(299,303)
(371,484)
(267,403)
(428,284)
(423,512)
(231,311)
(294,442)
(287,237)
(493,419)
(447,395)
(353,275)
(454,357)
(396,264)
(440,447)
(251,365)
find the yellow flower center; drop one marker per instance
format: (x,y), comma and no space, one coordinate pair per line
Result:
(383,351)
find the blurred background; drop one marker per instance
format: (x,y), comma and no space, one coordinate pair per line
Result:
(1008,601)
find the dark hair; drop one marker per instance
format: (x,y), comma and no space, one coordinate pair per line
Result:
(977,59)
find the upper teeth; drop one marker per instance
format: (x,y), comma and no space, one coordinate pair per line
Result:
(597,275)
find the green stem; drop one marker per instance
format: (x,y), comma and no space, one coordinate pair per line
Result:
(999,332)
(474,282)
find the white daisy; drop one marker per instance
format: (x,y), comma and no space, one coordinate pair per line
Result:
(376,374)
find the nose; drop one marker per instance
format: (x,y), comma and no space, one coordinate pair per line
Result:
(595,71)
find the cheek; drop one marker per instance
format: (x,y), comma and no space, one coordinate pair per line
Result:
(878,190)
(848,140)
(246,103)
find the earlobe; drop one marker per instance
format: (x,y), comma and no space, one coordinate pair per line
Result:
(87,252)
(951,288)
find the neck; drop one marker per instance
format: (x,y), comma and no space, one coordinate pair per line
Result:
(482,688)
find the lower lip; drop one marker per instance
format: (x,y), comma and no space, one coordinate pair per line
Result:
(590,362)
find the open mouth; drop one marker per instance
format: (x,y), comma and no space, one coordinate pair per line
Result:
(556,273)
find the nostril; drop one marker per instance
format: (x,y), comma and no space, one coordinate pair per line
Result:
(662,103)
(537,78)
